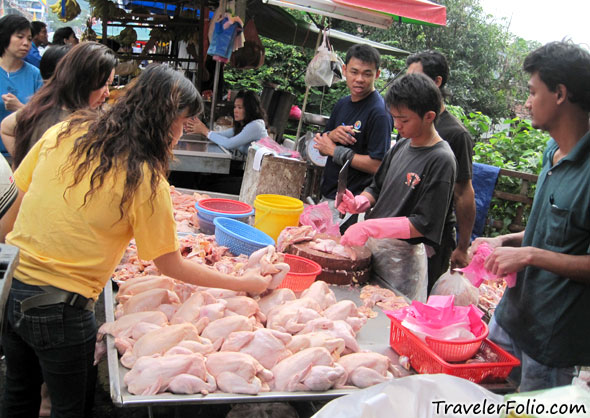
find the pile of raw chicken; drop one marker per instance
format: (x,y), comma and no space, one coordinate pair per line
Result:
(180,338)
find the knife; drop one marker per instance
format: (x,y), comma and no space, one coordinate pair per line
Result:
(342,183)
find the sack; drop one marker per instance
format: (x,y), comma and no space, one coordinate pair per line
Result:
(325,67)
(456,284)
(403,266)
(251,55)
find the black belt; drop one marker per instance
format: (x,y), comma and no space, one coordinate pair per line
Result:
(53,296)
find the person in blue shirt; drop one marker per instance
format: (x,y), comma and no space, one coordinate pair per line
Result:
(39,33)
(19,80)
(249,124)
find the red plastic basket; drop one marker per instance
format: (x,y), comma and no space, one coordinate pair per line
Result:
(457,350)
(424,360)
(226,206)
(302,274)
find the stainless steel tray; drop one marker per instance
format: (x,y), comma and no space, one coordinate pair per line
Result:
(373,336)
(197,154)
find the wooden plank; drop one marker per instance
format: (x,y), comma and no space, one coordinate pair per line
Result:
(513,197)
(518,174)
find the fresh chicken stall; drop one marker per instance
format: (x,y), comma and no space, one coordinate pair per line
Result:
(355,330)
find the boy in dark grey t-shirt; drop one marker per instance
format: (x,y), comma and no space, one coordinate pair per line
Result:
(411,193)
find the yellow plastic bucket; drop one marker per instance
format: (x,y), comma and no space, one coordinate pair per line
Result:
(274,212)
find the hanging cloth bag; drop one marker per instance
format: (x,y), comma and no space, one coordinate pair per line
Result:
(251,55)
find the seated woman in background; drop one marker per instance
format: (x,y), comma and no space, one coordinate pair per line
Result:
(65,35)
(249,124)
(81,80)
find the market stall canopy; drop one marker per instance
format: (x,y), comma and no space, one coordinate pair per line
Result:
(377,13)
(277,24)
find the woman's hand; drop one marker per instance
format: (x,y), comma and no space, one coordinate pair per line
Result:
(11,102)
(253,282)
(195,126)
(492,242)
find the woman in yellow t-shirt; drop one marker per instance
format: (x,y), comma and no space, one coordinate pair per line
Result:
(86,188)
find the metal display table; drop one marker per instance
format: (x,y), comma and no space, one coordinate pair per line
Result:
(373,336)
(195,153)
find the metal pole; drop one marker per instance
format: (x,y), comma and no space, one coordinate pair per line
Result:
(214,97)
(299,125)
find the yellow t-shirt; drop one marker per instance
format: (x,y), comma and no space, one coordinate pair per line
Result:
(75,247)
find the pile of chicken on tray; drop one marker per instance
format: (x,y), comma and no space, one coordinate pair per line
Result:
(179,338)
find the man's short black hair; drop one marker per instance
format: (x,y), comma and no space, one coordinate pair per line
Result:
(364,53)
(9,25)
(415,91)
(563,63)
(37,27)
(434,64)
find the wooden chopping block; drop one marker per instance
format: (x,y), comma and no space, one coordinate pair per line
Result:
(335,268)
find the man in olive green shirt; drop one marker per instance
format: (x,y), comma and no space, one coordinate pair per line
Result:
(544,318)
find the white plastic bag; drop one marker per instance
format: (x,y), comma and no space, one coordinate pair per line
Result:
(412,396)
(325,67)
(452,283)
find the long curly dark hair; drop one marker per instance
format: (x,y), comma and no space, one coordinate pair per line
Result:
(85,68)
(134,133)
(253,109)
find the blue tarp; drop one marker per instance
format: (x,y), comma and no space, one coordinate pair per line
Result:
(484,182)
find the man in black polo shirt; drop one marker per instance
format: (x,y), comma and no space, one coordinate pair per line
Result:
(359,128)
(544,318)
(434,65)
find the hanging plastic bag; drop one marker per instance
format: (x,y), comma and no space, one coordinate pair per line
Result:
(403,266)
(453,283)
(319,217)
(251,55)
(325,67)
(223,39)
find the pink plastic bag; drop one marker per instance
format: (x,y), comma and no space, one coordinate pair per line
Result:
(275,146)
(476,272)
(440,318)
(319,217)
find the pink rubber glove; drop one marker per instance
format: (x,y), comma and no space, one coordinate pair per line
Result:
(359,233)
(353,204)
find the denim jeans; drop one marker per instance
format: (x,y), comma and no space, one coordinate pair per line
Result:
(531,375)
(54,344)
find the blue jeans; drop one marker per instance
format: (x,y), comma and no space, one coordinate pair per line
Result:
(54,344)
(531,375)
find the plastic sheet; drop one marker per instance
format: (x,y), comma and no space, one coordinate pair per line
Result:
(403,266)
(319,217)
(412,396)
(440,319)
(477,273)
(453,283)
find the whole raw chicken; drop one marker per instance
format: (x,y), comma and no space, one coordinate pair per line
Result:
(309,369)
(275,298)
(366,369)
(265,345)
(178,373)
(321,293)
(238,373)
(159,341)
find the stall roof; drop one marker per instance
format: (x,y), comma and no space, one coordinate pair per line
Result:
(378,13)
(275,23)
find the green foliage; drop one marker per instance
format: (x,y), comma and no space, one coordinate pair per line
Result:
(517,147)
